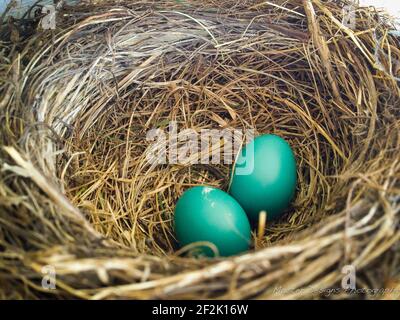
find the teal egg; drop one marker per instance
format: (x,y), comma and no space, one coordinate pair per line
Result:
(208,214)
(264,177)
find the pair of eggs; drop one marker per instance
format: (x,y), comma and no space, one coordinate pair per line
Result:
(263,179)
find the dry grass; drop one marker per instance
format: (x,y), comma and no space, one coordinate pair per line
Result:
(77,192)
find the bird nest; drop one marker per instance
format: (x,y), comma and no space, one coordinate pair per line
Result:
(78,195)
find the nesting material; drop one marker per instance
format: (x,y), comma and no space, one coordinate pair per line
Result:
(78,194)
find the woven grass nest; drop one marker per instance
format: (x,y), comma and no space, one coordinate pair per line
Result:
(76,191)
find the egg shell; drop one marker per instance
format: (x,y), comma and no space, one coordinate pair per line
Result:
(271,184)
(205,213)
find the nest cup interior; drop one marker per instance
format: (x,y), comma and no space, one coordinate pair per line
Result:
(115,81)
